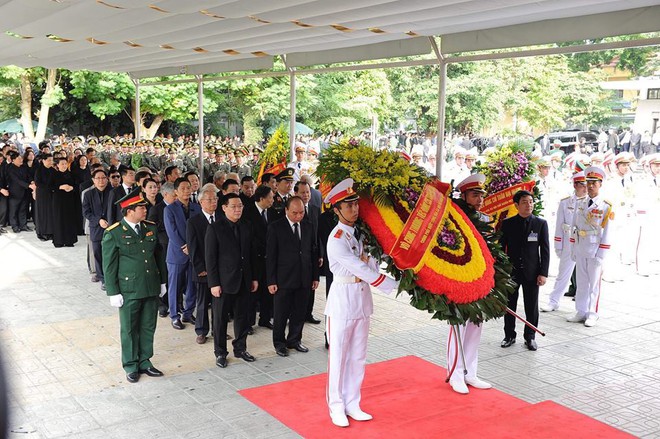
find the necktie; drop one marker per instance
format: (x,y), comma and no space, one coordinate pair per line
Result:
(299,165)
(212,219)
(236,232)
(357,233)
(306,211)
(137,229)
(590,202)
(263,215)
(655,183)
(295,231)
(623,182)
(194,197)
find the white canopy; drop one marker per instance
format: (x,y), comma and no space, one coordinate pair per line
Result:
(166,37)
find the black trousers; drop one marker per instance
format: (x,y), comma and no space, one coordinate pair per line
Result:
(98,259)
(531,301)
(202,323)
(17,212)
(221,307)
(3,210)
(263,301)
(310,303)
(289,305)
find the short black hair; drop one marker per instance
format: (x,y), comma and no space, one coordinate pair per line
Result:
(189,173)
(229,182)
(246,178)
(262,192)
(123,170)
(229,196)
(94,166)
(297,185)
(147,180)
(169,170)
(96,171)
(291,200)
(141,174)
(267,177)
(90,149)
(178,182)
(522,193)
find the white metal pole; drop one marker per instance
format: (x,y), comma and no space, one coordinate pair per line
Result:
(292,111)
(441,118)
(138,114)
(200,118)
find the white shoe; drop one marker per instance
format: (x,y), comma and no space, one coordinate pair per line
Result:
(577,318)
(477,383)
(359,415)
(549,307)
(339,419)
(591,321)
(459,386)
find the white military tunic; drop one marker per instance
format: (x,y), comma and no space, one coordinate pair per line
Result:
(347,311)
(591,245)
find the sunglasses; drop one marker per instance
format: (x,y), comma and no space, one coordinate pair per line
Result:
(114,176)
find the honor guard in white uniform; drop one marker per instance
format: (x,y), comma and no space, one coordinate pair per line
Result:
(563,228)
(591,244)
(472,192)
(348,307)
(299,165)
(648,215)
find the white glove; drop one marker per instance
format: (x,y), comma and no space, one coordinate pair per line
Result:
(388,285)
(117,300)
(163,290)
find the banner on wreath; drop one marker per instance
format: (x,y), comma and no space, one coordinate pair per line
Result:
(499,206)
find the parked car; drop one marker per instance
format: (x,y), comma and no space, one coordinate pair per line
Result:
(568,140)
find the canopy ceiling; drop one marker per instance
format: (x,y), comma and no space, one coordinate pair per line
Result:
(166,37)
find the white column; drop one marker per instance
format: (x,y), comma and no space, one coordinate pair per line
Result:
(292,111)
(439,160)
(200,118)
(138,115)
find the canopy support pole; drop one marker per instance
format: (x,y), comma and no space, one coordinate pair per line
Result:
(442,98)
(138,115)
(292,110)
(200,118)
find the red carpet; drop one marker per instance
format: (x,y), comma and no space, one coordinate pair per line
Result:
(409,398)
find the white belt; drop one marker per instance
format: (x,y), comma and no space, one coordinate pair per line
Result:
(588,232)
(346,279)
(566,227)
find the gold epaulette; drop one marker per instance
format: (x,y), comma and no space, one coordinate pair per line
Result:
(607,202)
(149,222)
(565,198)
(113,226)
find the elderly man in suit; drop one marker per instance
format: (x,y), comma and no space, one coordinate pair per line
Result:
(94,207)
(157,216)
(291,270)
(525,240)
(195,234)
(230,261)
(179,269)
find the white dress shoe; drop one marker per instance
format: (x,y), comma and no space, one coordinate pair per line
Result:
(339,419)
(591,321)
(549,307)
(459,386)
(577,318)
(359,415)
(477,383)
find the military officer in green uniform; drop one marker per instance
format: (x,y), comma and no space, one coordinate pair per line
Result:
(135,275)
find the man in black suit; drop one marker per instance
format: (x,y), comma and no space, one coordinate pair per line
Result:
(312,214)
(127,181)
(257,212)
(230,259)
(525,240)
(156,216)
(94,210)
(20,190)
(195,235)
(292,269)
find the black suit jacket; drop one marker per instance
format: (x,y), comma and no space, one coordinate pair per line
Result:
(312,215)
(291,263)
(229,265)
(530,258)
(260,231)
(94,210)
(113,213)
(18,181)
(195,235)
(327,222)
(156,215)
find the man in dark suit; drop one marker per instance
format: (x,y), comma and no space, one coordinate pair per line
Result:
(20,190)
(94,210)
(195,234)
(257,213)
(127,181)
(312,214)
(179,269)
(156,215)
(525,240)
(230,262)
(292,269)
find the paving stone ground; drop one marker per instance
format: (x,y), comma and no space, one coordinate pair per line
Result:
(60,346)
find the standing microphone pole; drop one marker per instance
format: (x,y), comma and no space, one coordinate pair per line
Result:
(529,325)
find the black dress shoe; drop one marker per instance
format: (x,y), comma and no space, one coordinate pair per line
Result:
(507,342)
(299,347)
(16,230)
(268,325)
(41,238)
(162,312)
(531,345)
(133,377)
(250,330)
(176,324)
(151,371)
(26,229)
(282,351)
(245,355)
(221,361)
(569,294)
(190,319)
(313,320)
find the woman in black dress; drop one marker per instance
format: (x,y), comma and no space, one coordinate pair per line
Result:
(64,206)
(81,174)
(43,178)
(28,160)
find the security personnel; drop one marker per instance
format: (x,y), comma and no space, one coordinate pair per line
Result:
(284,185)
(565,211)
(472,192)
(299,165)
(591,244)
(135,274)
(243,168)
(348,307)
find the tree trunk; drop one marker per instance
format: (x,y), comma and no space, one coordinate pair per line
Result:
(151,131)
(51,77)
(26,105)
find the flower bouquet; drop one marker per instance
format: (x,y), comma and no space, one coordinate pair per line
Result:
(276,153)
(445,257)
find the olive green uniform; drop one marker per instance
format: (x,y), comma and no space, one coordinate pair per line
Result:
(134,267)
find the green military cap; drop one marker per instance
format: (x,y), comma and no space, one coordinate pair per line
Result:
(139,142)
(287,174)
(92,141)
(149,142)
